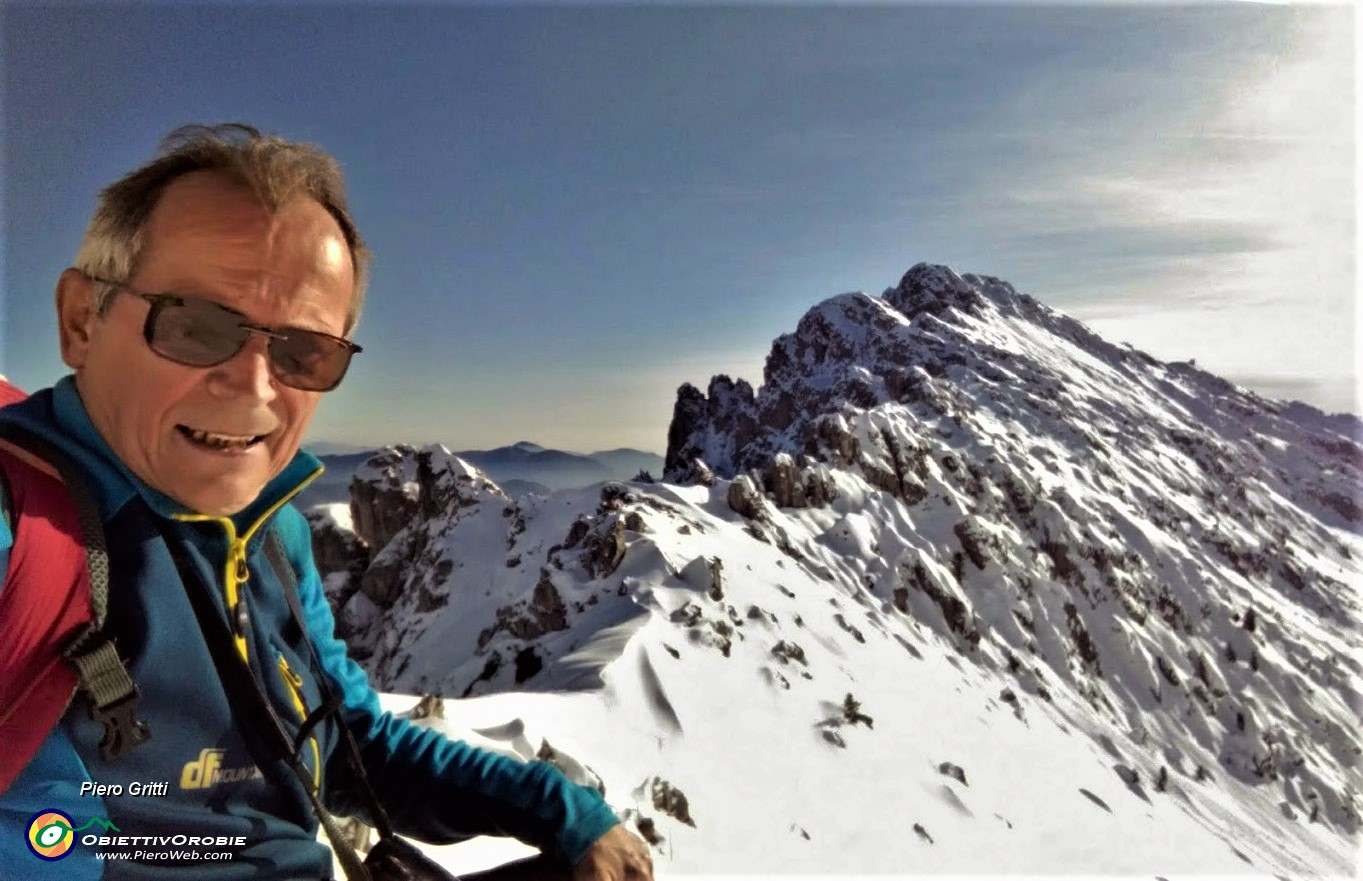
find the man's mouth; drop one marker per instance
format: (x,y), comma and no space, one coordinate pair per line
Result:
(214,441)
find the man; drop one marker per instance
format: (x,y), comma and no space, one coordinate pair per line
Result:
(209,309)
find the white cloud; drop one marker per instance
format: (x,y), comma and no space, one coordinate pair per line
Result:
(1242,218)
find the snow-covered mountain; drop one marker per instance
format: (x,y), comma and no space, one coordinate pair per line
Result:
(960,588)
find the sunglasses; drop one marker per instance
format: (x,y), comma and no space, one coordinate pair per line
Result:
(200,333)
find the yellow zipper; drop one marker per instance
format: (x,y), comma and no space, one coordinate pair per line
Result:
(235,572)
(294,682)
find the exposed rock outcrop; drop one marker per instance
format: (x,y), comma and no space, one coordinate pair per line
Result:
(745,499)
(383,495)
(396,496)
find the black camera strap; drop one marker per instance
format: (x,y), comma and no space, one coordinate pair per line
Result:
(256,717)
(279,561)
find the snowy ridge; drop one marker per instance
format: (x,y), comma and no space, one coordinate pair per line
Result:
(1049,605)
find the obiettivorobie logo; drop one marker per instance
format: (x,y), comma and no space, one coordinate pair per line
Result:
(52,834)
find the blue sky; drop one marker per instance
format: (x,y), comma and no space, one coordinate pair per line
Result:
(576,208)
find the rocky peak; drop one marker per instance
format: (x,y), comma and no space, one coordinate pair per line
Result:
(950,350)
(401,483)
(851,349)
(932,288)
(393,496)
(383,494)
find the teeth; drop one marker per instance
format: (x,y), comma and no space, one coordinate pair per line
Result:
(221,441)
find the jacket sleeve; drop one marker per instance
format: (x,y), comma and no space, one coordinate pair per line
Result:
(433,788)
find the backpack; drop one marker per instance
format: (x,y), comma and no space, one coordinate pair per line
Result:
(52,606)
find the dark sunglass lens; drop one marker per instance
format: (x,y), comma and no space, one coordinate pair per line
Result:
(309,361)
(197,332)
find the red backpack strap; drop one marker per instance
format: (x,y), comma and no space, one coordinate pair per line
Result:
(52,606)
(9,393)
(44,602)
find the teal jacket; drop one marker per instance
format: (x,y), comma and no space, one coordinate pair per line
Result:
(195,778)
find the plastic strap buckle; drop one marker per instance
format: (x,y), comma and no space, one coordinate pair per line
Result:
(113,696)
(123,731)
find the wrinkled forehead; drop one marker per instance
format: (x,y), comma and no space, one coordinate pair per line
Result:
(209,235)
(210,217)
(209,204)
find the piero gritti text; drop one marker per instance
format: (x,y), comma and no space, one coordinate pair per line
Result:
(135,789)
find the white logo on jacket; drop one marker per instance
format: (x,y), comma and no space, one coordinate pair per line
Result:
(207,771)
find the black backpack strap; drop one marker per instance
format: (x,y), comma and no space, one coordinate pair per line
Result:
(101,673)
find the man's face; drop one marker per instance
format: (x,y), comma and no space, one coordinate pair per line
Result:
(208,237)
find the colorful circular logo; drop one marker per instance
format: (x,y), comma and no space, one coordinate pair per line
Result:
(50,835)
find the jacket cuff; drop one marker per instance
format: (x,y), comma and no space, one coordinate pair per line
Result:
(583,830)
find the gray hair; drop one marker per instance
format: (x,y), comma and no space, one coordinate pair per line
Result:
(274,169)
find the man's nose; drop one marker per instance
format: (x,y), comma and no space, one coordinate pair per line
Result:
(247,372)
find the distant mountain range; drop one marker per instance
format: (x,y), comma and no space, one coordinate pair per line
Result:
(520,469)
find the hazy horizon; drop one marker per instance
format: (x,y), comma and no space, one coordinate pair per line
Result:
(575,209)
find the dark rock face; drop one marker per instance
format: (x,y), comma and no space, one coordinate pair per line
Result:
(335,549)
(934,289)
(401,485)
(829,436)
(604,551)
(384,501)
(820,490)
(709,427)
(745,499)
(383,581)
(783,480)
(690,415)
(732,406)
(337,552)
(543,613)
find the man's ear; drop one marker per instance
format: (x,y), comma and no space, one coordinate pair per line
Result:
(76,315)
